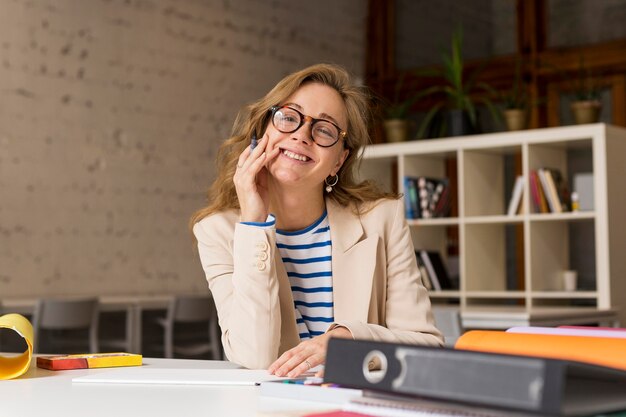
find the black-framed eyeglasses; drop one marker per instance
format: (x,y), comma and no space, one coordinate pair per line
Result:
(323,132)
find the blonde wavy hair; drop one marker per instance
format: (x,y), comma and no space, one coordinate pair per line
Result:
(255,117)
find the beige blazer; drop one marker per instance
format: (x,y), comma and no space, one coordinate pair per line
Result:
(377,289)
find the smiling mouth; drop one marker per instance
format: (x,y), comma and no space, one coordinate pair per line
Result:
(295,156)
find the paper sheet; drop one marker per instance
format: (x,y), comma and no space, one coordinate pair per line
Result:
(12,367)
(146,375)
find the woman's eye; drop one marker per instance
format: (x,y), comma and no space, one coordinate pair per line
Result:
(325,131)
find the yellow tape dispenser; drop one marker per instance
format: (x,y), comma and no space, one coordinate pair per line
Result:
(14,366)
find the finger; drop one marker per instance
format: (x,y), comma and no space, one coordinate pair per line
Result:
(243,157)
(296,358)
(271,155)
(250,155)
(305,366)
(304,361)
(281,361)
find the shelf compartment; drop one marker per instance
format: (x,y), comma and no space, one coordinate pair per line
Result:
(567,157)
(493,257)
(441,238)
(484,175)
(383,171)
(559,246)
(437,168)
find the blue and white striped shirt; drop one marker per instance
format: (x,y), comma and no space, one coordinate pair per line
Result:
(306,255)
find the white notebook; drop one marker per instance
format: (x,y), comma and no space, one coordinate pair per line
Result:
(143,375)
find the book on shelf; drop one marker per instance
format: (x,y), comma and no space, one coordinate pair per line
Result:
(515,202)
(502,383)
(554,189)
(538,198)
(436,270)
(426,197)
(409,208)
(423,272)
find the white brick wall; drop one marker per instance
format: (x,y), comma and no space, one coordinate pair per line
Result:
(110,115)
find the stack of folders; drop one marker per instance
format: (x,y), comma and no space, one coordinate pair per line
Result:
(309,389)
(488,373)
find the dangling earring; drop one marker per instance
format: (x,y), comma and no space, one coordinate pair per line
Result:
(329,186)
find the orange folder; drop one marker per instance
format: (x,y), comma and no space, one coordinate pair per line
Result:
(595,350)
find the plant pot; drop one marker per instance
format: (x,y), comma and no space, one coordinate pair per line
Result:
(515,119)
(586,111)
(458,123)
(396,130)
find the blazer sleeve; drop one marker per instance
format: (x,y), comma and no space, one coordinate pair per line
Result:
(408,315)
(241,273)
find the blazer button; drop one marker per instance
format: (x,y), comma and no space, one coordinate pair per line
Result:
(261,245)
(262,256)
(260,266)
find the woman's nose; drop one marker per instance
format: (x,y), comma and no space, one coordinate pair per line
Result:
(304,133)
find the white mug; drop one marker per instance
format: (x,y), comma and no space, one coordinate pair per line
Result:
(569,280)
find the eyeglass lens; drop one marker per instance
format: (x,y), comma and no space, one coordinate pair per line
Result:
(288,120)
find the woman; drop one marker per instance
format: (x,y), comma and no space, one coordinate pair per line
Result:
(295,250)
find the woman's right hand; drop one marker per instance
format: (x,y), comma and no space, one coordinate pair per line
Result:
(250,181)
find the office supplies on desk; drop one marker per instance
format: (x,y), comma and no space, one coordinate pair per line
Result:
(145,375)
(517,383)
(88,361)
(309,389)
(14,366)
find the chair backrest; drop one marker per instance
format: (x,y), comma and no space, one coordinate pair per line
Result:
(448,321)
(190,308)
(67,314)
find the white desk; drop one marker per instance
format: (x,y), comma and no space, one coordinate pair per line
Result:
(43,393)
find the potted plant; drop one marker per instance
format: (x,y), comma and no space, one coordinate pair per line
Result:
(460,116)
(396,121)
(586,105)
(515,102)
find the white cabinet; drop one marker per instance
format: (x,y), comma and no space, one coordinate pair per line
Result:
(533,247)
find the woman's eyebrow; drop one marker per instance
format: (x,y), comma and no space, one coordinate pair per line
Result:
(325,116)
(328,117)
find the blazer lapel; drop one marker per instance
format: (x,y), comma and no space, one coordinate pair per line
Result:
(353,263)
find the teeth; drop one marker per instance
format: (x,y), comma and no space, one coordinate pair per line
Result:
(296,156)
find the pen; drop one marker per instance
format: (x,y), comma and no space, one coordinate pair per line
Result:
(253,142)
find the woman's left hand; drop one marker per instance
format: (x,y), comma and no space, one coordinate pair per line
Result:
(306,355)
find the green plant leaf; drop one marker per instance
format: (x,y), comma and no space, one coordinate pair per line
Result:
(427,120)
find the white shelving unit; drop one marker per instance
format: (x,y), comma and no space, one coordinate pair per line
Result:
(547,239)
